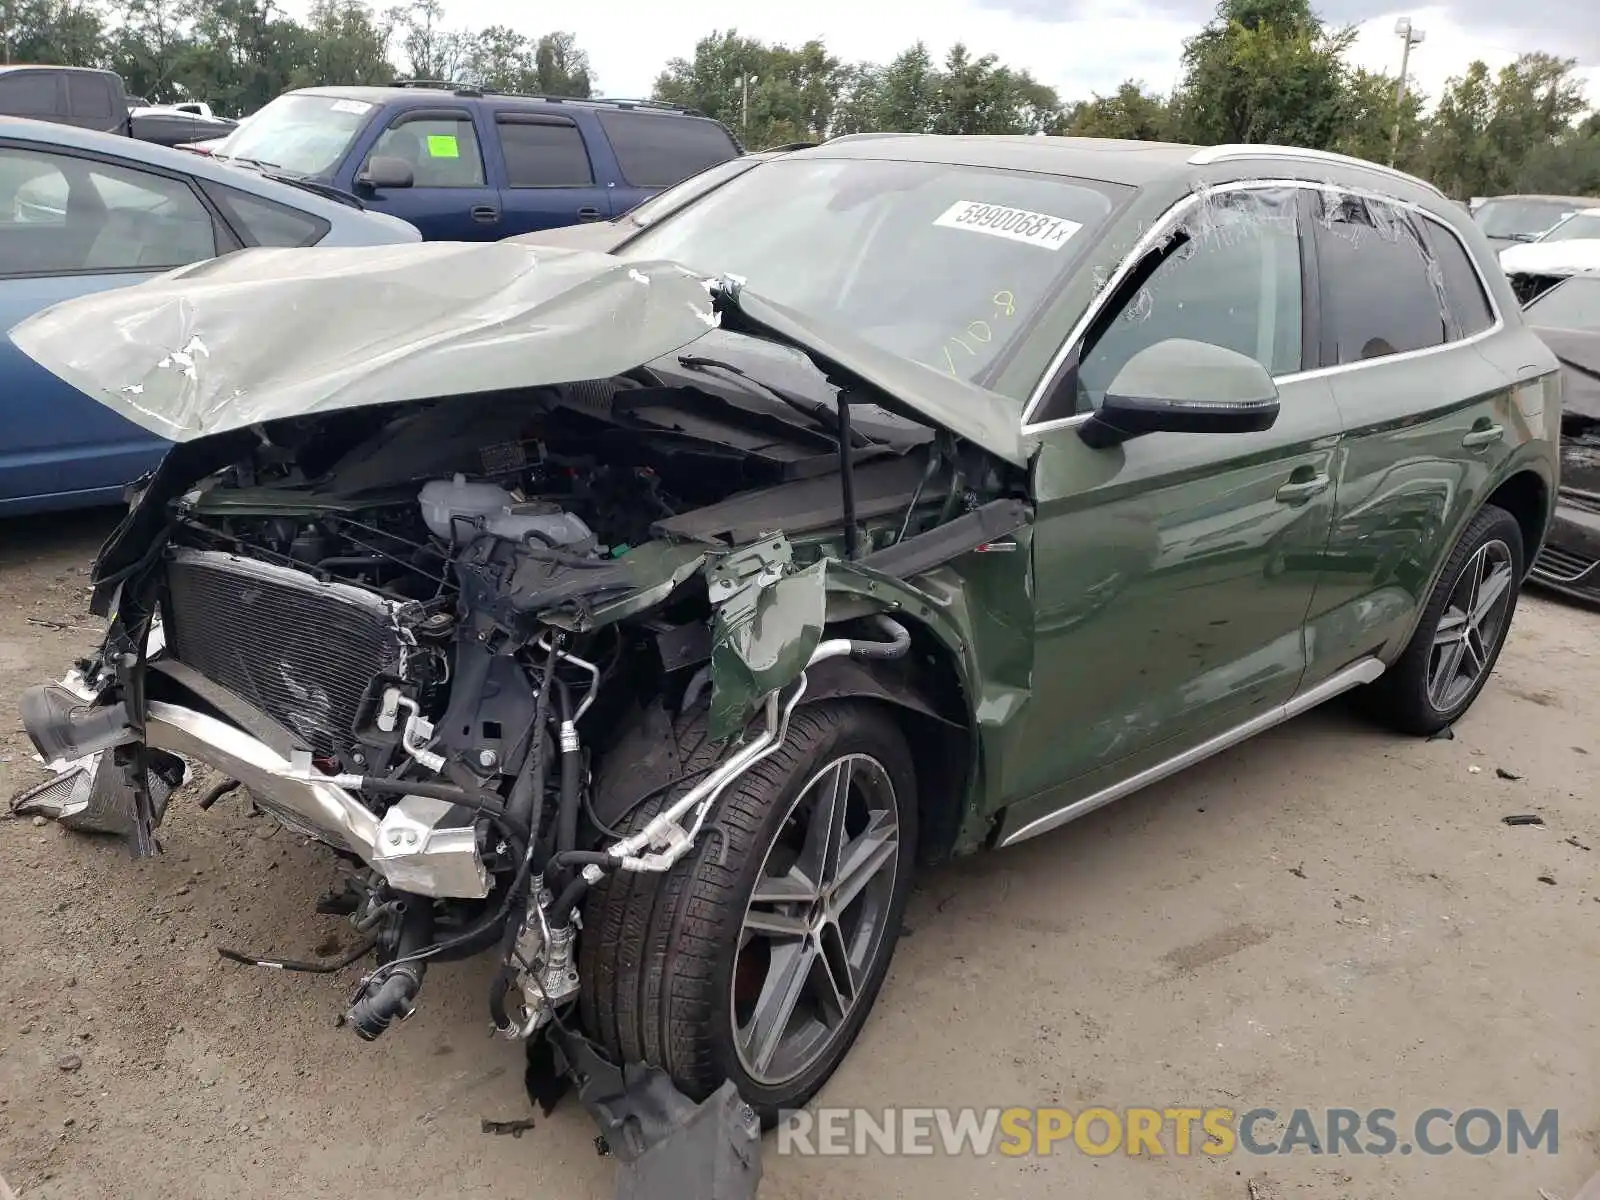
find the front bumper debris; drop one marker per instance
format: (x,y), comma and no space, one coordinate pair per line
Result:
(420,845)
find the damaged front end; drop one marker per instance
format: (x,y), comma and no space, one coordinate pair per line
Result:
(411,598)
(1569,560)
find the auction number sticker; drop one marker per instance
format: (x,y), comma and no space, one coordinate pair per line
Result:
(351,106)
(1017,224)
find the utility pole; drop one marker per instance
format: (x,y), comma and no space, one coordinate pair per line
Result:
(744,103)
(1410,36)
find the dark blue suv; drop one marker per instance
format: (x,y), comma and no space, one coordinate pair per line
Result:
(466,165)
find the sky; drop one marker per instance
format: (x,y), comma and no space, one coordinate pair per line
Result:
(1077,46)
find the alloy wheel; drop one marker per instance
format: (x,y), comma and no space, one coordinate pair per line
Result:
(1471,625)
(815,922)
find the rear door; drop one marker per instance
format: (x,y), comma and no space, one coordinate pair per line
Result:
(92,102)
(549,179)
(1428,420)
(451,198)
(70,226)
(655,150)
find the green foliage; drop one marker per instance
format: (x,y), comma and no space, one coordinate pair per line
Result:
(1259,71)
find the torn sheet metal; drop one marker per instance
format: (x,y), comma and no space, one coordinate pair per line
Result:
(763,635)
(271,333)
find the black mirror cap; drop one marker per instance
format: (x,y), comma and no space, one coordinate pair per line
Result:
(1122,417)
(386,171)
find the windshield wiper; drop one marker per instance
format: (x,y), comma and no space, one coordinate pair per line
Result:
(819,412)
(259,164)
(316,187)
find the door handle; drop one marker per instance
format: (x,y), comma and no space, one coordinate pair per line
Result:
(1298,491)
(589,213)
(485,214)
(1483,435)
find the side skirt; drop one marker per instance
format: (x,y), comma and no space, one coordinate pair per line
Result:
(1354,675)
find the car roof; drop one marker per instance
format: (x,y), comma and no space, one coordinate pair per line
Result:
(4,67)
(1130,163)
(46,134)
(457,94)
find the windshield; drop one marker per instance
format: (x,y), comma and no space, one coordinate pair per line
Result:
(1579,225)
(1574,304)
(648,212)
(942,264)
(304,135)
(1524,219)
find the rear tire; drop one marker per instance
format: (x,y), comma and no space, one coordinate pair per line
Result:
(1462,630)
(676,966)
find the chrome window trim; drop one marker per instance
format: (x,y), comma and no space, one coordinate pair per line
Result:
(1172,217)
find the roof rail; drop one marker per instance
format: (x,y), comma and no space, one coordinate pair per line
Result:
(443,85)
(1234,150)
(787,147)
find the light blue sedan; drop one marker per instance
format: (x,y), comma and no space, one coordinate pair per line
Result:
(81,212)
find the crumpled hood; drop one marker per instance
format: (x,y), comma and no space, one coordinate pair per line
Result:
(1579,353)
(1552,258)
(270,333)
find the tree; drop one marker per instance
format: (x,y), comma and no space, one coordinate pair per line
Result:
(1367,116)
(151,39)
(69,32)
(432,51)
(348,43)
(1129,112)
(560,67)
(1263,71)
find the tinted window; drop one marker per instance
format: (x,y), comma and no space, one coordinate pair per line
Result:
(1574,304)
(262,222)
(656,150)
(28,93)
(1382,292)
(1469,306)
(1230,276)
(63,214)
(543,154)
(89,97)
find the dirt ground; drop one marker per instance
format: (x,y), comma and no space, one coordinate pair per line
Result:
(1328,916)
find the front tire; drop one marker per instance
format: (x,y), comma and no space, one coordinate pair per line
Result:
(758,956)
(1462,630)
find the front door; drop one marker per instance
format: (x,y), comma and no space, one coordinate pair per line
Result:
(1173,572)
(450,198)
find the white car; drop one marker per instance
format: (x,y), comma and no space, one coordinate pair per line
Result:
(1570,247)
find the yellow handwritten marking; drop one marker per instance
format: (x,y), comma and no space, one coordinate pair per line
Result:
(1005,303)
(986,336)
(950,363)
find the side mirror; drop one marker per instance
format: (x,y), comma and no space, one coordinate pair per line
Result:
(1182,386)
(385,171)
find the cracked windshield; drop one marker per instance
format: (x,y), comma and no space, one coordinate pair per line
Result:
(851,243)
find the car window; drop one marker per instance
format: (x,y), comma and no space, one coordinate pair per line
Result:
(658,150)
(948,266)
(64,214)
(89,97)
(263,222)
(543,152)
(443,152)
(675,197)
(1463,288)
(1577,226)
(1229,276)
(1382,291)
(28,93)
(303,134)
(1520,218)
(1574,304)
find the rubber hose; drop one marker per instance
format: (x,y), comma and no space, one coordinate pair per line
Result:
(896,648)
(571,774)
(526,802)
(561,910)
(374,1011)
